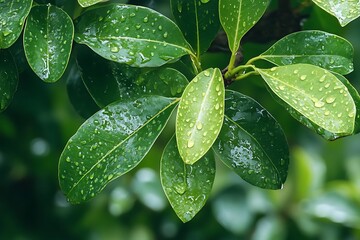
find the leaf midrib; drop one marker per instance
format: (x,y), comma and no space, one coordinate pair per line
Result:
(119,144)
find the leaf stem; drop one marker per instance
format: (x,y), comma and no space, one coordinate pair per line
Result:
(231,73)
(253,60)
(232,61)
(245,75)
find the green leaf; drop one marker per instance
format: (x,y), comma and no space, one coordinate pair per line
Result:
(88,3)
(121,82)
(252,143)
(318,48)
(9,78)
(315,93)
(187,187)
(344,11)
(239,16)
(137,36)
(316,128)
(110,143)
(48,37)
(200,115)
(198,20)
(13,14)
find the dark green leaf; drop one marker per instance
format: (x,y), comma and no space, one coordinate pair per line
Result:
(48,37)
(198,20)
(109,81)
(252,143)
(318,48)
(239,16)
(110,143)
(9,78)
(13,15)
(200,115)
(137,36)
(87,3)
(315,93)
(344,11)
(186,186)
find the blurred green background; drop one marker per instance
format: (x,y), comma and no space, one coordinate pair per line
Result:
(320,199)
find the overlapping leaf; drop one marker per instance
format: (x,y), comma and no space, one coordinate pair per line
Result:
(200,115)
(239,16)
(344,11)
(110,143)
(187,187)
(88,3)
(198,20)
(109,81)
(252,143)
(13,15)
(9,78)
(48,37)
(137,36)
(315,93)
(319,48)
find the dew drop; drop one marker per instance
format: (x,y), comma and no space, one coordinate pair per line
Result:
(319,104)
(351,115)
(207,74)
(303,77)
(327,113)
(191,143)
(165,35)
(217,106)
(146,19)
(199,125)
(330,99)
(322,79)
(114,49)
(67,159)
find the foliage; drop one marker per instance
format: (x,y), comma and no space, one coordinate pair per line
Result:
(136,68)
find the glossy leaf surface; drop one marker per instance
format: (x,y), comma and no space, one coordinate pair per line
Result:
(252,143)
(315,93)
(198,20)
(319,48)
(239,16)
(13,15)
(109,81)
(9,78)
(87,3)
(344,11)
(110,143)
(187,187)
(137,36)
(48,37)
(316,128)
(200,115)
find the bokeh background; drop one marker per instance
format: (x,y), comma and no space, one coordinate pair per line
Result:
(320,199)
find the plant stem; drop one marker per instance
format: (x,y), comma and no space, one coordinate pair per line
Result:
(242,76)
(231,73)
(253,60)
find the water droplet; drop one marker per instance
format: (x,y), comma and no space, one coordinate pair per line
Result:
(330,99)
(137,26)
(165,35)
(190,143)
(351,115)
(199,125)
(132,14)
(205,1)
(327,113)
(179,7)
(100,18)
(67,159)
(303,77)
(160,27)
(114,49)
(180,189)
(319,104)
(322,79)
(273,69)
(146,19)
(217,106)
(206,73)
(282,87)
(296,71)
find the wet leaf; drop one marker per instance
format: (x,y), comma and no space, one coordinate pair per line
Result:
(344,11)
(198,20)
(200,115)
(315,93)
(9,78)
(187,187)
(239,16)
(109,81)
(110,143)
(316,128)
(88,3)
(48,37)
(252,143)
(137,36)
(13,15)
(318,48)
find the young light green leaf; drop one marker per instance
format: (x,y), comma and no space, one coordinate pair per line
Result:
(316,128)
(121,82)
(9,78)
(137,36)
(344,11)
(110,143)
(187,187)
(239,16)
(48,37)
(13,15)
(252,143)
(88,3)
(198,20)
(318,48)
(200,115)
(315,93)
